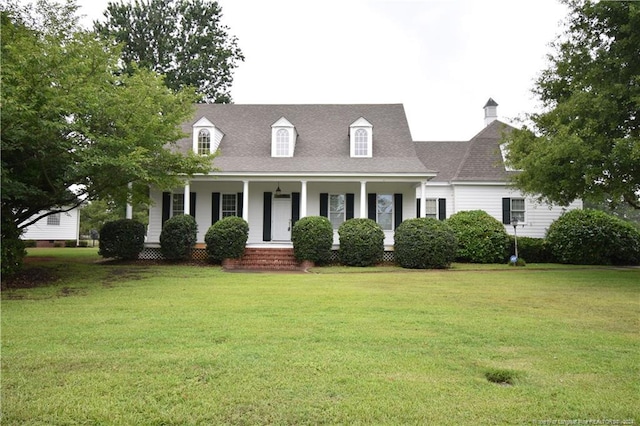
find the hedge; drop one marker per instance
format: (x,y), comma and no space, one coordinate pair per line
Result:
(424,243)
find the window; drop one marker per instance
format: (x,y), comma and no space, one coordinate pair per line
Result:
(204,142)
(384,215)
(282,143)
(178,204)
(336,209)
(53,219)
(229,205)
(517,209)
(431,208)
(361,143)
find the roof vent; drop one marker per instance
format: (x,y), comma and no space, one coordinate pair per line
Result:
(490,112)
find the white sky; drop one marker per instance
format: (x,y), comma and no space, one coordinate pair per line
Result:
(442,59)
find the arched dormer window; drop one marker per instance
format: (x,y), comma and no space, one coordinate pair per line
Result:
(206,137)
(282,143)
(204,142)
(283,138)
(361,139)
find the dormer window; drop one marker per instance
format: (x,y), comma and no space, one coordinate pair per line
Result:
(206,137)
(283,138)
(204,142)
(361,139)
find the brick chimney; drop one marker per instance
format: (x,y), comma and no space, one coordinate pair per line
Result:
(490,112)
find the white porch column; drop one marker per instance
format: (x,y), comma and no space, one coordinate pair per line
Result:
(245,200)
(423,200)
(129,214)
(187,198)
(363,199)
(303,199)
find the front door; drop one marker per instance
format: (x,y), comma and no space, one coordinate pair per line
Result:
(281,219)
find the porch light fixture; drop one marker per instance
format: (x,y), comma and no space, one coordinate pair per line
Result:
(278,190)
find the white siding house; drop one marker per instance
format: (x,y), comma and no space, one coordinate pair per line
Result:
(54,228)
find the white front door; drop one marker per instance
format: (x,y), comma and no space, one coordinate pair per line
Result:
(281,230)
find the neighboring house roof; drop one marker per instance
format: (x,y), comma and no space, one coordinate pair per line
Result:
(322,144)
(478,160)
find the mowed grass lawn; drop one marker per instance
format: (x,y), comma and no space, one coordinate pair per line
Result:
(126,344)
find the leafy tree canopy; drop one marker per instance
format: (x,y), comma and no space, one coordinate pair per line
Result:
(182,39)
(586,142)
(74,126)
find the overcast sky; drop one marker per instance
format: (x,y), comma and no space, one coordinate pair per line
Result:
(442,59)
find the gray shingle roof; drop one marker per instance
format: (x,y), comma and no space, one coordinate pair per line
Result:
(478,160)
(322,143)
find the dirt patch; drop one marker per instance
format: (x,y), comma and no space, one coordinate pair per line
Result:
(30,277)
(124,274)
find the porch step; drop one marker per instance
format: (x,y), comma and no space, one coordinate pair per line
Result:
(271,259)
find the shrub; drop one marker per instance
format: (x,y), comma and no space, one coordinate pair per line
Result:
(312,238)
(30,243)
(121,239)
(481,237)
(535,250)
(83,243)
(71,243)
(424,243)
(592,237)
(227,238)
(361,242)
(12,247)
(178,237)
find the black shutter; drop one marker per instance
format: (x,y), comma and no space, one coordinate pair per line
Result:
(442,208)
(192,204)
(324,204)
(239,204)
(266,217)
(418,201)
(350,203)
(506,211)
(397,209)
(372,207)
(166,206)
(295,207)
(215,207)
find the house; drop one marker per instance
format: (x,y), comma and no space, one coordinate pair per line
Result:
(472,175)
(278,163)
(54,229)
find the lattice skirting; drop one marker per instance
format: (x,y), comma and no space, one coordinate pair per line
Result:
(153,253)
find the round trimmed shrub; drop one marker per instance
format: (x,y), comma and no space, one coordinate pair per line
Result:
(121,239)
(178,237)
(481,237)
(227,238)
(424,243)
(593,237)
(312,238)
(361,242)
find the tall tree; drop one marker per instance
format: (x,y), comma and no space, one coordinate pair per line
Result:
(586,142)
(74,127)
(182,39)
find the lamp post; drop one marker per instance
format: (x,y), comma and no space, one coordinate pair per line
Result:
(514,222)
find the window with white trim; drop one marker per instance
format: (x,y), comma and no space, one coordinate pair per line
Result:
(204,142)
(229,205)
(337,209)
(361,145)
(282,143)
(518,209)
(431,208)
(177,205)
(53,219)
(384,211)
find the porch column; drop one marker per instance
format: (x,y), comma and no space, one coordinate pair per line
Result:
(363,198)
(303,199)
(245,200)
(423,201)
(129,214)
(187,199)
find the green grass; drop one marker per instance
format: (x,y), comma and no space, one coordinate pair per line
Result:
(138,344)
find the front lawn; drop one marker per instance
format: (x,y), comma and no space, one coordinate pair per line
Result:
(108,343)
